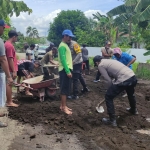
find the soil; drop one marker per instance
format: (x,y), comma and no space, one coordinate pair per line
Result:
(86,123)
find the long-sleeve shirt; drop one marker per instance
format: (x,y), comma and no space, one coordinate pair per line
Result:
(64,58)
(113,69)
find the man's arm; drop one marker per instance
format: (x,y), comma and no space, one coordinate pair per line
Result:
(62,54)
(4,64)
(104,53)
(131,62)
(105,75)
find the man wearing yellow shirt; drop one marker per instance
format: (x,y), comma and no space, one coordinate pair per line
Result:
(65,68)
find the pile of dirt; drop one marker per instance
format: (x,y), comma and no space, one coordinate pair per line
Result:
(86,122)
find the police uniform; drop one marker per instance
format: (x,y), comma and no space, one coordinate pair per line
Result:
(77,67)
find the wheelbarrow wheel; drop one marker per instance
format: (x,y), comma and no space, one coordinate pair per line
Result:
(51,93)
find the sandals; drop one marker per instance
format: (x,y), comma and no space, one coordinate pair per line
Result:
(2,115)
(2,125)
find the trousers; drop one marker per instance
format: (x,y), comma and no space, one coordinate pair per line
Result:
(114,90)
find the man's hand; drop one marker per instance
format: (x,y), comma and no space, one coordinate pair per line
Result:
(69,75)
(14,75)
(9,81)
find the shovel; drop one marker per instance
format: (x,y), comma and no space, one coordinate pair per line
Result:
(99,108)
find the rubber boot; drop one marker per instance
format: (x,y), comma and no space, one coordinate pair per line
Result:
(110,121)
(132,111)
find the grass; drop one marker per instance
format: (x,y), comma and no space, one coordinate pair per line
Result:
(143,73)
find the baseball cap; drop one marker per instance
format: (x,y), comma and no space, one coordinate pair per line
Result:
(117,50)
(2,23)
(12,33)
(68,32)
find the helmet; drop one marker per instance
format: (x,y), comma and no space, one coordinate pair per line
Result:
(97,59)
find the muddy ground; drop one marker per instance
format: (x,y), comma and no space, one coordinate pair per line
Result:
(85,123)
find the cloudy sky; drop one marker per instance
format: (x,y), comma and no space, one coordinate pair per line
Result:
(44,11)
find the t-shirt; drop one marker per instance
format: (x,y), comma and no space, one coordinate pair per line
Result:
(2,52)
(112,68)
(11,53)
(125,59)
(30,52)
(107,51)
(47,57)
(25,65)
(85,54)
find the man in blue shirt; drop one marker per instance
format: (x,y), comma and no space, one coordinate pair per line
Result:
(124,57)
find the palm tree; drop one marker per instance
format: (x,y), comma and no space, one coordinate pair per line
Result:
(32,32)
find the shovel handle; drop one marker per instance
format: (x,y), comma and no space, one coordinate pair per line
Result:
(101,102)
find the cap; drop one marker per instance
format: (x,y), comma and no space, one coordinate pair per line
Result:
(107,43)
(97,59)
(68,32)
(2,23)
(117,50)
(12,33)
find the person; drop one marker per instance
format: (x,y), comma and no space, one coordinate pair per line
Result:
(47,60)
(85,58)
(49,57)
(30,53)
(65,69)
(12,62)
(124,57)
(25,70)
(50,47)
(4,70)
(124,79)
(77,69)
(107,53)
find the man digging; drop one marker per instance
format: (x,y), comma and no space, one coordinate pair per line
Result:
(124,79)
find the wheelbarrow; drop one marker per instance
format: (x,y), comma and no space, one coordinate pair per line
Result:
(40,88)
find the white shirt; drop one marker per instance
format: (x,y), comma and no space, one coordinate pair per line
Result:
(30,52)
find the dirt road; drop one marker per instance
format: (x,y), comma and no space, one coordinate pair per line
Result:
(84,126)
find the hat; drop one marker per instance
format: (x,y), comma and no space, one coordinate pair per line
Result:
(107,43)
(12,33)
(97,59)
(117,50)
(68,32)
(2,23)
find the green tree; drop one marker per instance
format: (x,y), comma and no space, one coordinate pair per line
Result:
(70,19)
(32,32)
(9,7)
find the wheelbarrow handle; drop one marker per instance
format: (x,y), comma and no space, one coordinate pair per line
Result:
(21,85)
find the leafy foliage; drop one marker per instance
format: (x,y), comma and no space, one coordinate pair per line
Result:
(70,19)
(9,7)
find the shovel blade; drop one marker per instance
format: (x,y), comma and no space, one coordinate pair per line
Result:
(100,109)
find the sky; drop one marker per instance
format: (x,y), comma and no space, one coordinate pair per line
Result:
(44,11)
